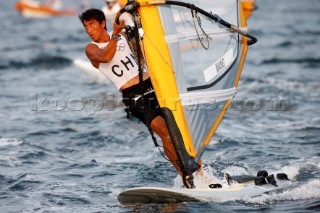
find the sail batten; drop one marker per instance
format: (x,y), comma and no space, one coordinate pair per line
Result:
(216,33)
(196,98)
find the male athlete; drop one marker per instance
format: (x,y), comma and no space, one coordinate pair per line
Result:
(110,53)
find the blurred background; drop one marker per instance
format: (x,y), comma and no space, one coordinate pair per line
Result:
(66,145)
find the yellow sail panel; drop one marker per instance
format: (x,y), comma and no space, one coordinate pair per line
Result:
(145,2)
(244,47)
(122,2)
(161,71)
(150,2)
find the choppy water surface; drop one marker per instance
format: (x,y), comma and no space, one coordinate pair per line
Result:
(57,155)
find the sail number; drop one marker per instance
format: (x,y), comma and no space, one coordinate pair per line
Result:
(220,65)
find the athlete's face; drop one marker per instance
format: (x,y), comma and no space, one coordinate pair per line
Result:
(94,29)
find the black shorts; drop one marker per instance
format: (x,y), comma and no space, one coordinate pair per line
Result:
(141,102)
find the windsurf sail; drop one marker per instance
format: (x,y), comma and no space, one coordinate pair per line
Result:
(195,52)
(36,9)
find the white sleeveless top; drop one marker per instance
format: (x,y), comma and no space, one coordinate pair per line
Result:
(111,14)
(122,67)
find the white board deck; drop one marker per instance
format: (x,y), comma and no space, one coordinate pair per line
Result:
(145,195)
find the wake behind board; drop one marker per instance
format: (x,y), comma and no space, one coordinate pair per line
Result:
(147,195)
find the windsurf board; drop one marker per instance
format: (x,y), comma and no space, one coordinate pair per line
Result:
(146,195)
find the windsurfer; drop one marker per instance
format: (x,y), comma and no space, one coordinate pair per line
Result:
(111,9)
(110,53)
(55,4)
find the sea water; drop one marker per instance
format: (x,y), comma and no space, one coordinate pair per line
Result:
(66,145)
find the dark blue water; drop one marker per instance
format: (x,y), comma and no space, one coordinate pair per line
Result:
(66,145)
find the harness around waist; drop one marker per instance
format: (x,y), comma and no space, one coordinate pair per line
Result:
(150,90)
(139,90)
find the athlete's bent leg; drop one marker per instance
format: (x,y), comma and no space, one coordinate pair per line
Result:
(159,126)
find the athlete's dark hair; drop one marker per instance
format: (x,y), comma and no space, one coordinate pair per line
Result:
(93,14)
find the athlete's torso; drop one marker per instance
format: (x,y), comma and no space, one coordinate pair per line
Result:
(123,67)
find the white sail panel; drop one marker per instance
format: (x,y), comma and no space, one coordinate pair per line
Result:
(205,59)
